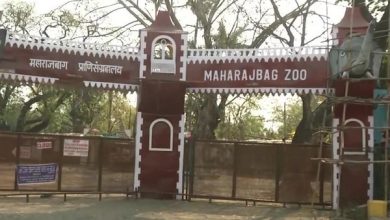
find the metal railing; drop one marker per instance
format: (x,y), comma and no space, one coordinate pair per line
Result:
(84,164)
(256,172)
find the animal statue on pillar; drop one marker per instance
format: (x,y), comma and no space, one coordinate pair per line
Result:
(357,56)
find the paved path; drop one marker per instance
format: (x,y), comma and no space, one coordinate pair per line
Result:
(118,208)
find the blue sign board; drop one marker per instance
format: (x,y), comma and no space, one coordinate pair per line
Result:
(380,118)
(36,173)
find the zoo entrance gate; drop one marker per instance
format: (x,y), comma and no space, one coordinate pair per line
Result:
(247,171)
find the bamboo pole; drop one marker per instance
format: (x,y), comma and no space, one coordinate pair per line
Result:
(341,162)
(343,119)
(386,155)
(341,135)
(319,153)
(387,115)
(284,123)
(109,112)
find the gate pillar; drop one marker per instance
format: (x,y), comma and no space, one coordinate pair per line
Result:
(353,140)
(353,136)
(160,116)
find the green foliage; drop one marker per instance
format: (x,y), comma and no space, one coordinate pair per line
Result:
(27,108)
(192,110)
(239,122)
(289,117)
(122,114)
(37,113)
(206,112)
(84,108)
(18,16)
(42,108)
(72,111)
(60,21)
(8,104)
(223,39)
(204,6)
(243,120)
(89,108)
(377,5)
(374,6)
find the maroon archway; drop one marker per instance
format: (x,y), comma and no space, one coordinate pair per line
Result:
(162,70)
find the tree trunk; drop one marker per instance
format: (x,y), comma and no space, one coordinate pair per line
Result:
(210,115)
(208,118)
(303,133)
(76,112)
(20,124)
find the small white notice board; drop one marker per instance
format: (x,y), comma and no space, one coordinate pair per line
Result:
(76,147)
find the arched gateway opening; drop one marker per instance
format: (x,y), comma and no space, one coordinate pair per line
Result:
(162,70)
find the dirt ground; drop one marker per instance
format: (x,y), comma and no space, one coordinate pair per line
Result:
(118,208)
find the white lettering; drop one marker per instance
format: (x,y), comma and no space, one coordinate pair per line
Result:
(274,74)
(215,78)
(208,75)
(266,75)
(295,74)
(244,75)
(303,74)
(259,74)
(252,76)
(230,76)
(48,64)
(288,72)
(237,75)
(223,75)
(88,66)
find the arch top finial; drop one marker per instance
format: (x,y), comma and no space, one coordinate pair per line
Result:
(163,23)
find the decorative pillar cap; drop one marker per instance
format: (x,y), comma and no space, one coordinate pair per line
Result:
(163,23)
(357,21)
